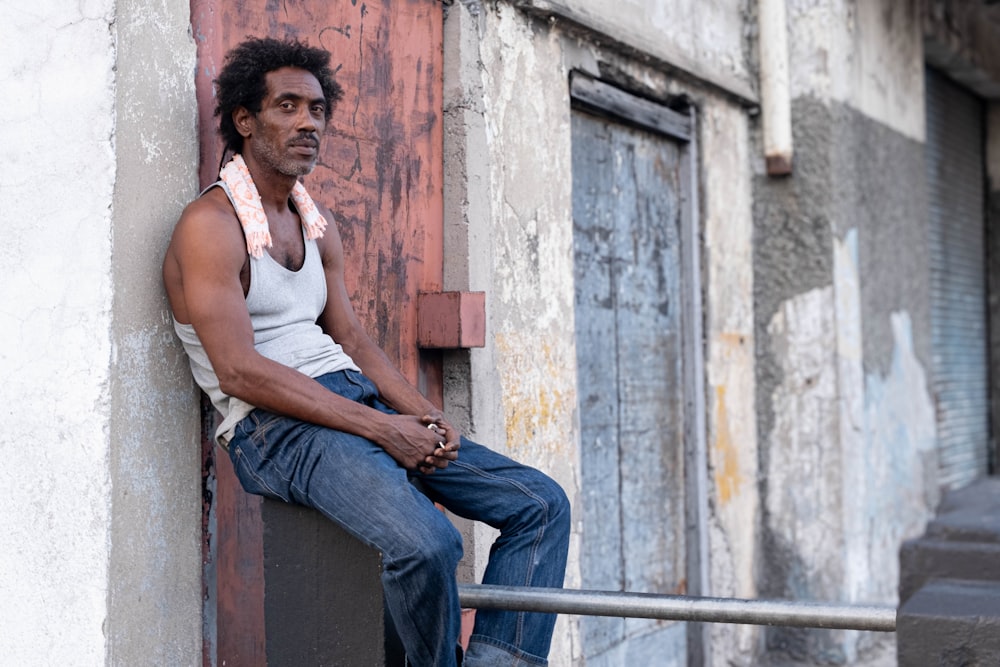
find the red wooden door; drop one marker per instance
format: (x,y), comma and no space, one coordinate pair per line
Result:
(381,174)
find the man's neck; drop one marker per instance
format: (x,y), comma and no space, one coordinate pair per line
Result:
(274,188)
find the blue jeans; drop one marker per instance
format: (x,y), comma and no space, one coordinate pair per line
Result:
(357,485)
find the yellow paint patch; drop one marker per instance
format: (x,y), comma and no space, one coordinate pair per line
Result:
(537,405)
(727,467)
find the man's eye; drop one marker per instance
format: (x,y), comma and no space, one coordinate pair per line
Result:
(287,106)
(318,109)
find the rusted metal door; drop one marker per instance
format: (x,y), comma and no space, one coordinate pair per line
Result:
(629,194)
(381,174)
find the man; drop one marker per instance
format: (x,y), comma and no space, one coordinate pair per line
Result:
(313,411)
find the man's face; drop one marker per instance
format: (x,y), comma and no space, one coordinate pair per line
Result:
(285,134)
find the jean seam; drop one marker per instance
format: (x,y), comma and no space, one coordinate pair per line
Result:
(539,534)
(358,380)
(513,650)
(259,440)
(242,462)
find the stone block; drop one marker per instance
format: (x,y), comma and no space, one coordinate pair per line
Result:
(950,623)
(961,542)
(924,560)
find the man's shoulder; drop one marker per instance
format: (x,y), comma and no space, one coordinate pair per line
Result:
(208,222)
(210,214)
(213,203)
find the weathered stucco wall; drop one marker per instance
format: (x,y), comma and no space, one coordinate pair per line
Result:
(101,563)
(814,339)
(154,603)
(518,236)
(508,207)
(868,55)
(841,278)
(57,172)
(702,40)
(733,457)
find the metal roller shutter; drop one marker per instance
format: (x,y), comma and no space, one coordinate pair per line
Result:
(956,205)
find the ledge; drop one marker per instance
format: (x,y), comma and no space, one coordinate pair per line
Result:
(634,43)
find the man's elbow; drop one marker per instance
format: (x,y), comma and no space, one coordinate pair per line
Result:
(233,380)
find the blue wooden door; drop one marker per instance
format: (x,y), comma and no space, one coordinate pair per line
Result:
(627,214)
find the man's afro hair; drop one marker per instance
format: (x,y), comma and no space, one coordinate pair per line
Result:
(242,82)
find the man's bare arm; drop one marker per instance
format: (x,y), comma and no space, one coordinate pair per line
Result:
(202,275)
(341,322)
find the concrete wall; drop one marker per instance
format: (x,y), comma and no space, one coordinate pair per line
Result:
(523,389)
(702,40)
(101,556)
(155,597)
(819,419)
(841,271)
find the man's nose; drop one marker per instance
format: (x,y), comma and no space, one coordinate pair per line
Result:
(306,121)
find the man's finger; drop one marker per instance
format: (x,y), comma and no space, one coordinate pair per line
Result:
(445,456)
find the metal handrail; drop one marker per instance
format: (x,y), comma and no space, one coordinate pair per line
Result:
(793,613)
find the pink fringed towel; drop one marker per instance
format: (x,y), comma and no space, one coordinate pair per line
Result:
(250,211)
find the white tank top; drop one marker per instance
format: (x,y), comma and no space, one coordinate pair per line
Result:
(284,306)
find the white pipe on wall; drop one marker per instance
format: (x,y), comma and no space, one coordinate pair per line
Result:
(776,105)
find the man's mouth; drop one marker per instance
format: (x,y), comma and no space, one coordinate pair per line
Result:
(305,146)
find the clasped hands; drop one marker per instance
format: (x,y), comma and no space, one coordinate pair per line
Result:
(424,443)
(447,445)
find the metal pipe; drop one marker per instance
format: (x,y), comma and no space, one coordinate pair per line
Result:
(775,97)
(680,608)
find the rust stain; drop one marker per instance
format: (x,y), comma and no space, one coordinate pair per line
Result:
(380,173)
(732,339)
(727,469)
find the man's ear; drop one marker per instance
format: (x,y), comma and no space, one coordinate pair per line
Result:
(242,120)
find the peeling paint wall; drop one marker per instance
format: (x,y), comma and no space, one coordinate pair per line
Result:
(508,209)
(524,380)
(868,55)
(815,287)
(841,279)
(101,557)
(731,419)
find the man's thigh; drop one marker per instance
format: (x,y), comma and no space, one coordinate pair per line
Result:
(487,486)
(346,477)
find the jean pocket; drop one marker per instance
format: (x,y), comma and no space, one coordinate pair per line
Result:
(251,478)
(263,422)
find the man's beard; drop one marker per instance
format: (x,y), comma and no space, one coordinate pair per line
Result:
(283,164)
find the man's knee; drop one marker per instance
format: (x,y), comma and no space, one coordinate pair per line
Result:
(446,548)
(435,546)
(550,506)
(559,507)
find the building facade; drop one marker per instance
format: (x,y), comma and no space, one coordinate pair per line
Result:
(752,383)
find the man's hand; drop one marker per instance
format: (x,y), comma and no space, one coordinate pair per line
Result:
(420,443)
(449,441)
